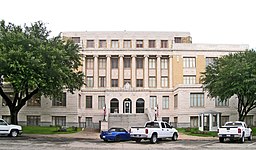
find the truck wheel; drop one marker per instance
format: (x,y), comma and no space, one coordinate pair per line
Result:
(175,136)
(14,133)
(221,139)
(250,137)
(153,139)
(241,140)
(138,140)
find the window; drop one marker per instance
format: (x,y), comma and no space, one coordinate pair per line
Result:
(102,81)
(8,94)
(59,101)
(101,102)
(89,123)
(127,62)
(127,44)
(89,63)
(164,43)
(79,100)
(224,119)
(33,120)
(114,44)
(102,44)
(127,81)
(58,120)
(90,44)
(189,62)
(151,63)
(214,120)
(210,60)
(139,83)
(196,99)
(76,39)
(114,83)
(139,43)
(193,121)
(89,81)
(152,82)
(177,39)
(152,102)
(165,101)
(152,44)
(34,101)
(189,79)
(249,120)
(88,103)
(102,63)
(166,119)
(114,63)
(219,103)
(164,63)
(139,63)
(175,100)
(164,82)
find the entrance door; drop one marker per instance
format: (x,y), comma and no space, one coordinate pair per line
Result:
(127,107)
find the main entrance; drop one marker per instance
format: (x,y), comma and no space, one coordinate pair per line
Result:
(127,106)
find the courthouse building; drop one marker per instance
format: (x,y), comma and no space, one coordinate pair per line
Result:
(132,77)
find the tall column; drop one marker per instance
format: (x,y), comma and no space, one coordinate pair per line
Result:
(133,71)
(95,71)
(84,71)
(170,71)
(108,75)
(158,71)
(121,71)
(146,71)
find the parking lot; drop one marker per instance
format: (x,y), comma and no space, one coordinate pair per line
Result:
(30,142)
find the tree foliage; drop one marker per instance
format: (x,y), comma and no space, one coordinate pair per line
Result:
(33,63)
(233,74)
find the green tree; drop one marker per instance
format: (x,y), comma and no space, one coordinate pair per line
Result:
(33,63)
(233,75)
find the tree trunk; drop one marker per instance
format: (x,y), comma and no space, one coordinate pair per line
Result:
(14,116)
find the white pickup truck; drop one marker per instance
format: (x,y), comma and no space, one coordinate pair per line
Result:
(237,130)
(8,129)
(153,131)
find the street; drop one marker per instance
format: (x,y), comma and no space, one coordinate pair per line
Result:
(60,143)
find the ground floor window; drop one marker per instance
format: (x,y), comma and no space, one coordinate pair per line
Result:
(140,106)
(224,119)
(193,121)
(249,120)
(33,120)
(89,123)
(114,106)
(165,119)
(59,120)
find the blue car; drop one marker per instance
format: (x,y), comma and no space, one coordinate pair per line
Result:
(115,134)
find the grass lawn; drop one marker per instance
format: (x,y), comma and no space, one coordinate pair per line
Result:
(48,130)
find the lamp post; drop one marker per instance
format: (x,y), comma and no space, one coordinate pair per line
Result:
(155,113)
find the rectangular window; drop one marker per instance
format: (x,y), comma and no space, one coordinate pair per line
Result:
(175,100)
(224,119)
(102,63)
(60,101)
(89,123)
(114,83)
(187,79)
(79,100)
(76,39)
(164,82)
(101,102)
(196,99)
(114,63)
(164,63)
(114,44)
(193,121)
(139,83)
(127,44)
(89,63)
(165,101)
(34,101)
(189,62)
(219,103)
(210,60)
(164,43)
(59,120)
(249,120)
(102,44)
(139,63)
(127,62)
(90,44)
(88,103)
(139,43)
(151,63)
(151,43)
(152,82)
(89,81)
(152,102)
(177,39)
(214,120)
(102,81)
(33,120)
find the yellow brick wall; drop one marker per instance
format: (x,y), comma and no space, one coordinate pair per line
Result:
(200,67)
(177,73)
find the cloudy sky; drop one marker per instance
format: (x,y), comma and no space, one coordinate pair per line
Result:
(208,21)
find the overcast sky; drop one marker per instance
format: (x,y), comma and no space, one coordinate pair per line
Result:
(208,21)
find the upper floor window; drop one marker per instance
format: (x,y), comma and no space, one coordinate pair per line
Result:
(114,63)
(139,83)
(114,83)
(76,39)
(151,63)
(189,79)
(219,103)
(164,63)
(88,103)
(139,43)
(90,44)
(177,39)
(165,102)
(89,63)
(89,81)
(152,102)
(210,60)
(102,81)
(139,63)
(127,62)
(101,102)
(164,82)
(34,101)
(175,100)
(196,99)
(152,82)
(164,43)
(102,63)
(114,44)
(59,101)
(127,44)
(102,44)
(189,62)
(151,43)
